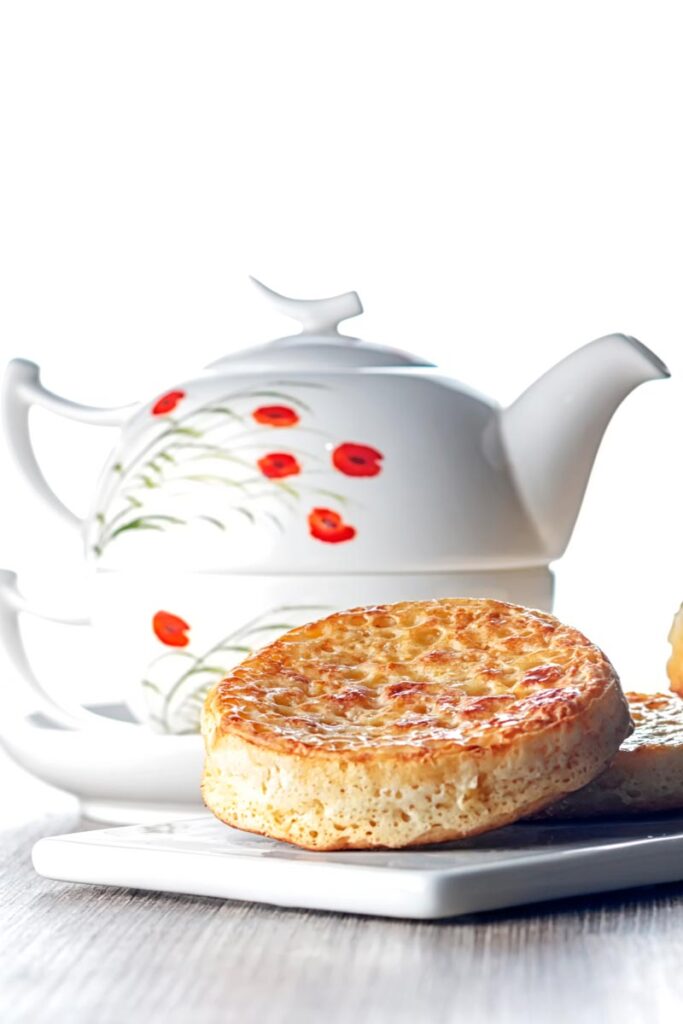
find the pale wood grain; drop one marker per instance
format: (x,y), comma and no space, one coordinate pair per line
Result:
(89,955)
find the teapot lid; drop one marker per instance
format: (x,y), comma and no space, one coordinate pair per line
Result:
(318,345)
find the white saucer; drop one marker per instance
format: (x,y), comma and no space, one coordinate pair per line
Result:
(129,776)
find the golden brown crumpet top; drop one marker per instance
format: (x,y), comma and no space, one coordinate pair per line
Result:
(647,773)
(414,678)
(658,723)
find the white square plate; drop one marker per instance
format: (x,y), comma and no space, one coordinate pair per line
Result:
(522,863)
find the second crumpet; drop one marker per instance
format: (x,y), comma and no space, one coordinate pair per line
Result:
(646,775)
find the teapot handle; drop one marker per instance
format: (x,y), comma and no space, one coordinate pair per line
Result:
(36,696)
(21,388)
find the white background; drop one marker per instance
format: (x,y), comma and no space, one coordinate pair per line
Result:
(501,182)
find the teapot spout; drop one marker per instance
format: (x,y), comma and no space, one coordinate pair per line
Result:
(552,432)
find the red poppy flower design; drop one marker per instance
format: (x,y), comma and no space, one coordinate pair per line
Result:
(357,459)
(171,629)
(167,403)
(276,416)
(329,526)
(278,464)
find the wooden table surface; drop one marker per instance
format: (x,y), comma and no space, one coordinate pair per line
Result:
(91,955)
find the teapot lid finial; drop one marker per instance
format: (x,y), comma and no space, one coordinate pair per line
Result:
(319,344)
(319,317)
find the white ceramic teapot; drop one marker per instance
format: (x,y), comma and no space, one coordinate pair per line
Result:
(313,473)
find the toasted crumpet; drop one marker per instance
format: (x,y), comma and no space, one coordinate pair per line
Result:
(647,773)
(675,664)
(411,723)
